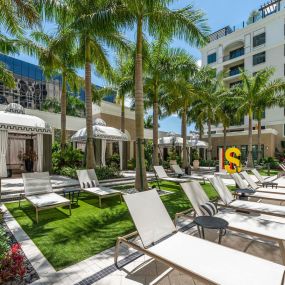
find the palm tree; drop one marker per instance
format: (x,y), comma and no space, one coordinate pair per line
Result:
(209,87)
(179,92)
(57,56)
(91,25)
(253,95)
(155,17)
(16,15)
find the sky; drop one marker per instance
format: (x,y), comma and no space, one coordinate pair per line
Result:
(219,13)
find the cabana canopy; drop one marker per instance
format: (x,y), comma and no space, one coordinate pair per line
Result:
(178,141)
(100,131)
(103,133)
(14,121)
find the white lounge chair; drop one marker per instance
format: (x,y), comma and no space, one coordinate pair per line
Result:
(263,179)
(228,200)
(161,174)
(257,194)
(179,172)
(38,191)
(257,188)
(203,260)
(89,183)
(256,226)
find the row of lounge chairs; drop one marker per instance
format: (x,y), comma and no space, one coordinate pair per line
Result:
(39,192)
(203,260)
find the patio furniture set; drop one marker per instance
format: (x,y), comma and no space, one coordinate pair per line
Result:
(162,241)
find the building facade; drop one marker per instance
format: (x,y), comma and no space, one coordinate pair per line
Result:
(252,46)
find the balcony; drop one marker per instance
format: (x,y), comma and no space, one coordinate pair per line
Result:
(234,54)
(233,70)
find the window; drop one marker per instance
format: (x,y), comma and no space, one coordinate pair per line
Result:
(259,58)
(236,53)
(212,58)
(259,40)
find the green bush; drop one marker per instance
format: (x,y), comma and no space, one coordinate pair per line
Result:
(273,162)
(113,161)
(209,163)
(4,243)
(165,164)
(107,172)
(131,164)
(68,171)
(70,158)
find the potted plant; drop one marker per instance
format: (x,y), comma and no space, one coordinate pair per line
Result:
(196,162)
(172,157)
(28,157)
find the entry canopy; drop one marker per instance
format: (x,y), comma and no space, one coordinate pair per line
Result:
(178,141)
(100,131)
(14,119)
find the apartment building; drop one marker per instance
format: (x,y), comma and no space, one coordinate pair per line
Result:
(255,44)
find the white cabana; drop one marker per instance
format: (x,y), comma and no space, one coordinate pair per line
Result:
(16,128)
(104,133)
(176,141)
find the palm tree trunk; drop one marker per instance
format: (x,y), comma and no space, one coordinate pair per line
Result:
(225,138)
(141,181)
(63,113)
(209,141)
(184,136)
(90,159)
(259,142)
(123,128)
(155,127)
(249,156)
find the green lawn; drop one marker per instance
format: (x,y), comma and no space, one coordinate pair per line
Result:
(67,240)
(271,173)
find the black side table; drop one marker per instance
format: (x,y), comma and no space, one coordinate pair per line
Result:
(210,222)
(71,194)
(244,193)
(270,183)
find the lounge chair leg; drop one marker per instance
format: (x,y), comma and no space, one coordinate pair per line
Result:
(117,249)
(121,199)
(69,209)
(282,249)
(100,206)
(20,201)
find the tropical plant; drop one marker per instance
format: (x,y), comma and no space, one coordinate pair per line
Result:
(16,16)
(90,25)
(157,18)
(179,94)
(204,106)
(254,94)
(148,122)
(57,56)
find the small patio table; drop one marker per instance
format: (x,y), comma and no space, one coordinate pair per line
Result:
(210,222)
(71,194)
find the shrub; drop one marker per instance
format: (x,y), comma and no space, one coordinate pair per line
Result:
(68,171)
(70,158)
(107,172)
(114,160)
(131,164)
(273,162)
(12,264)
(209,163)
(165,164)
(4,243)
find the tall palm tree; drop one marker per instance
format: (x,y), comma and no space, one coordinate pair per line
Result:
(57,56)
(254,94)
(205,102)
(179,92)
(156,17)
(16,15)
(92,26)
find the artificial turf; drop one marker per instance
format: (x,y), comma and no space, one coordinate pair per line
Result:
(67,240)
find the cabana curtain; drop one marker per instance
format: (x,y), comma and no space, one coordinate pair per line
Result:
(3,151)
(103,152)
(40,152)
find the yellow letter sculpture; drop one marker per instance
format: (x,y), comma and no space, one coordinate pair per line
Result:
(232,160)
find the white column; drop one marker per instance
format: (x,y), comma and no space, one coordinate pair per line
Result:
(121,154)
(3,151)
(40,152)
(103,152)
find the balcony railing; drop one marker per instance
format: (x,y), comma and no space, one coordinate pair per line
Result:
(234,54)
(235,70)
